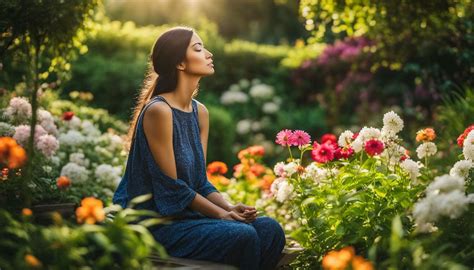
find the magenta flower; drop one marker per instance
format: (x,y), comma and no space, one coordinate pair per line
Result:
(374,147)
(300,138)
(323,153)
(284,137)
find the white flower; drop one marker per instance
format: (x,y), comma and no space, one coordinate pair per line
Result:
(261,91)
(19,109)
(357,145)
(451,204)
(411,167)
(368,133)
(47,144)
(108,173)
(231,97)
(74,123)
(279,169)
(71,138)
(243,126)
(445,183)
(75,172)
(79,159)
(46,120)
(461,168)
(234,87)
(291,168)
(89,129)
(270,107)
(315,173)
(469,140)
(392,123)
(256,126)
(468,151)
(345,138)
(426,149)
(282,189)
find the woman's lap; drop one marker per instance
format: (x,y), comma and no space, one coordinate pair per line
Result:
(221,240)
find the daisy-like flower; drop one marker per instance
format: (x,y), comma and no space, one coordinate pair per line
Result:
(411,167)
(323,153)
(284,137)
(345,138)
(426,149)
(392,123)
(461,168)
(374,147)
(368,133)
(299,138)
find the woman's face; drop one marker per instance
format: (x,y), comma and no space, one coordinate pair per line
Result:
(198,59)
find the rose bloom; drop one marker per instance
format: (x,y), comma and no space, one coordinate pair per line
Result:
(90,211)
(425,135)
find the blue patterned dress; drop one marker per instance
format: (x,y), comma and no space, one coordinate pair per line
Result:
(192,235)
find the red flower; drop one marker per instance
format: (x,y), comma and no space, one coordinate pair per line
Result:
(63,182)
(464,135)
(343,153)
(355,135)
(68,115)
(374,147)
(323,153)
(216,168)
(329,137)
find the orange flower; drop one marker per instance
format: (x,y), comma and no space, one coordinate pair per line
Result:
(218,180)
(256,150)
(257,169)
(336,260)
(359,263)
(11,154)
(26,212)
(90,211)
(267,181)
(425,135)
(217,167)
(32,261)
(63,182)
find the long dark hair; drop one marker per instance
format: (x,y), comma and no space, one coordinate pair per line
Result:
(162,77)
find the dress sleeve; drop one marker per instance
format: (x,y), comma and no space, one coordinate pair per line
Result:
(171,196)
(206,188)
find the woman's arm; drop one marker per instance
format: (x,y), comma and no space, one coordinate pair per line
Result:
(158,127)
(203,114)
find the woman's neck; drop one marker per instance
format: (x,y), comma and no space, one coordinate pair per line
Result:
(182,96)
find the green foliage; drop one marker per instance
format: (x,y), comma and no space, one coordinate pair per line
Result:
(118,243)
(221,135)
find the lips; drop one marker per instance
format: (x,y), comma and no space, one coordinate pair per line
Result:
(211,64)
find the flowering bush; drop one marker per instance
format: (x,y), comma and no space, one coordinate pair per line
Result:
(75,159)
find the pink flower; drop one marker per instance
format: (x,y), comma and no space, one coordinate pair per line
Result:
(284,137)
(323,153)
(48,145)
(299,138)
(329,137)
(22,133)
(374,147)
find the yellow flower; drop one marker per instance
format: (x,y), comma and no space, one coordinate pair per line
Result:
(90,211)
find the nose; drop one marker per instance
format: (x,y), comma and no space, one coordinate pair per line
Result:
(209,54)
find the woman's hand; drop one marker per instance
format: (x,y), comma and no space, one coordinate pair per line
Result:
(230,215)
(249,213)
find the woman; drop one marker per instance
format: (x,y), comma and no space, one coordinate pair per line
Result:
(169,134)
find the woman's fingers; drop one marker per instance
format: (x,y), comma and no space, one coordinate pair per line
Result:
(237,216)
